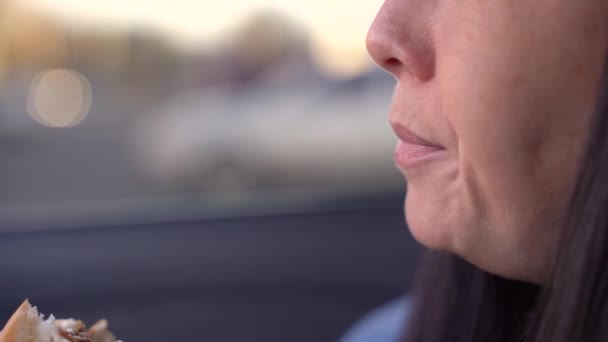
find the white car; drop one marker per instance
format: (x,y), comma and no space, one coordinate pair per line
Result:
(326,136)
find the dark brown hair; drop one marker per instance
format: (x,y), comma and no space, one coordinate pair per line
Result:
(455,301)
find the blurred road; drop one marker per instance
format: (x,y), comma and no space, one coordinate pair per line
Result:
(292,277)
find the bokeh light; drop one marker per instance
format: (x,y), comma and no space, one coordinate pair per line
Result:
(59,98)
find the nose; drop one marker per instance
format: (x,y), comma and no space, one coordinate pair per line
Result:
(400,39)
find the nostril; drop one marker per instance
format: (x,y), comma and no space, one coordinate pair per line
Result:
(393,66)
(392,63)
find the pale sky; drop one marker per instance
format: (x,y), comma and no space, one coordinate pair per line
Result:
(337,27)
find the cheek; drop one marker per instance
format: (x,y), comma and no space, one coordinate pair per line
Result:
(500,129)
(516,91)
(499,134)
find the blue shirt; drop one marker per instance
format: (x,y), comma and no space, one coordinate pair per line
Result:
(385,324)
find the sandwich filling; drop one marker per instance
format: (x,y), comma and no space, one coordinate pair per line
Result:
(27,325)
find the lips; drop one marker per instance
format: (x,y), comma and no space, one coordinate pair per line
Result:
(412,150)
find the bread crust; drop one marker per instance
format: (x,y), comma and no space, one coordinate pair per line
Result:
(22,326)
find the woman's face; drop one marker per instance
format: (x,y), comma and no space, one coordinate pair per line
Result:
(498,95)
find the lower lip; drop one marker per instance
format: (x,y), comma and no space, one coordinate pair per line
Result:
(408,156)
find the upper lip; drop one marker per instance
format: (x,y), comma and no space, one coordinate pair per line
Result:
(409,137)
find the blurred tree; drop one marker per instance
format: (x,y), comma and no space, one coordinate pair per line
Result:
(102,53)
(264,39)
(28,40)
(151,57)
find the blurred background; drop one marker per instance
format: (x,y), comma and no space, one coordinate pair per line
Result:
(217,171)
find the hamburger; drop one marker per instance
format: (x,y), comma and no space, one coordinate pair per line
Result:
(27,325)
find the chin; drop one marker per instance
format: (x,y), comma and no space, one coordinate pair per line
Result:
(439,226)
(452,231)
(428,223)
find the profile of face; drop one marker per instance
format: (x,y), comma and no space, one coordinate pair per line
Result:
(492,107)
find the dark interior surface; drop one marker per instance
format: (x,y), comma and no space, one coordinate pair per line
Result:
(282,277)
